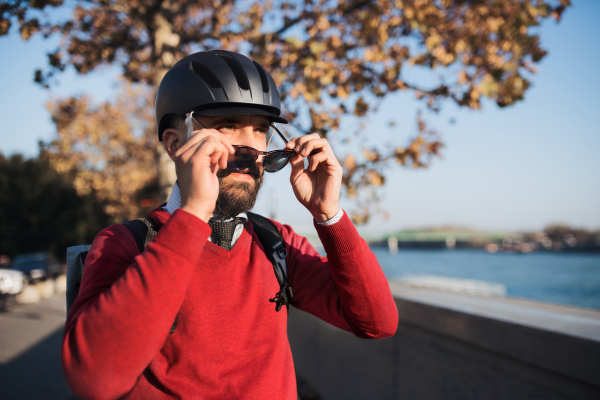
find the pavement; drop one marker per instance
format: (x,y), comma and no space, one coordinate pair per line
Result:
(30,340)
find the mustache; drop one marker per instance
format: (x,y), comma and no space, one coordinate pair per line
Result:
(252,170)
(236,197)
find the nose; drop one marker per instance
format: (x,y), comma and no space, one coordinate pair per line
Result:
(247,136)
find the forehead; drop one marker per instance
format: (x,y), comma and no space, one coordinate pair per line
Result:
(246,120)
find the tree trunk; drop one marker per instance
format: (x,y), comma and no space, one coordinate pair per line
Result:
(164,41)
(166,174)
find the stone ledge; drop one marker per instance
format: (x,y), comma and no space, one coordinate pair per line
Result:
(572,321)
(560,339)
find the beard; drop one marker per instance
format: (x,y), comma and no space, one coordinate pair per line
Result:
(236,197)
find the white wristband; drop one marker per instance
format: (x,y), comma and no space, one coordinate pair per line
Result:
(334,219)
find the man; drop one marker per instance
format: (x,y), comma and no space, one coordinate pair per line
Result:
(206,269)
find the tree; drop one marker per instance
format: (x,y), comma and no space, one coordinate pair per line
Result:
(329,58)
(569,238)
(40,210)
(109,148)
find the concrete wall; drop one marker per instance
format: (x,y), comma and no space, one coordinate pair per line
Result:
(454,346)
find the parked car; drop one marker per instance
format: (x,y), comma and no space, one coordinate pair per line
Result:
(11,284)
(11,281)
(37,266)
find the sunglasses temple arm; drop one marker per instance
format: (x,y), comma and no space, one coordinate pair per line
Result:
(269,141)
(196,119)
(280,134)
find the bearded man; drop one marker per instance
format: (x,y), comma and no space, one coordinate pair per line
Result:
(207,269)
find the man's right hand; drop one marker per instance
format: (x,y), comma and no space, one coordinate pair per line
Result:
(196,164)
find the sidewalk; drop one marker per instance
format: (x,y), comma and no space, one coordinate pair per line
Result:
(30,338)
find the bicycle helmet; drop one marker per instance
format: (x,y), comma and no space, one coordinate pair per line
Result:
(217,83)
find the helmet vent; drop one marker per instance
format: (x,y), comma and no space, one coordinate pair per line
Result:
(263,76)
(203,72)
(238,71)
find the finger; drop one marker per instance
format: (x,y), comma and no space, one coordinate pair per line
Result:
(313,145)
(192,144)
(227,143)
(314,161)
(219,159)
(291,143)
(205,145)
(221,154)
(224,157)
(201,134)
(223,139)
(303,139)
(196,135)
(191,147)
(297,163)
(210,149)
(215,150)
(215,158)
(184,154)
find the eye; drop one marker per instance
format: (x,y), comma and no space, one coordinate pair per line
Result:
(264,131)
(226,128)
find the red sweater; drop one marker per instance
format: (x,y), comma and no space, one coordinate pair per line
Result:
(229,341)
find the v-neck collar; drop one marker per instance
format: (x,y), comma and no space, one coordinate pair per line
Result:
(242,242)
(161,216)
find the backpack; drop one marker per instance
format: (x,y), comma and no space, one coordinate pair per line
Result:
(145,229)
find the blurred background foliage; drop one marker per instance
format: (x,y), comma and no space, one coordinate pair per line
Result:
(41,210)
(330,59)
(110,148)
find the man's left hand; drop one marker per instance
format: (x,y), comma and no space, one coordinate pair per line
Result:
(318,186)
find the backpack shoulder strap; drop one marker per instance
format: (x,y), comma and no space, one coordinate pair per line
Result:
(143,230)
(272,241)
(75,259)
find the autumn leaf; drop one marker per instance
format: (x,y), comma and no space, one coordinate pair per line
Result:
(361,107)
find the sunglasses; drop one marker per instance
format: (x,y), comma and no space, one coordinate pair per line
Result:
(244,156)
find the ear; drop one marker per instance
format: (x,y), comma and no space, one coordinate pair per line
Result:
(172,142)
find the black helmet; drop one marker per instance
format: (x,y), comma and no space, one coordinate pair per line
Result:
(217,83)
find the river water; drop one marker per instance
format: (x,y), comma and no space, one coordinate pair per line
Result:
(563,278)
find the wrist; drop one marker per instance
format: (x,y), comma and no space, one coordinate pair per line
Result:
(325,215)
(199,212)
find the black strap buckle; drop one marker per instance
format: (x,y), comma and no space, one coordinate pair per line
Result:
(282,297)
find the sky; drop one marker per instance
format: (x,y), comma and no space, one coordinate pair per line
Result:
(512,169)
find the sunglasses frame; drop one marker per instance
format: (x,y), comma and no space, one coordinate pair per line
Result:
(267,154)
(257,153)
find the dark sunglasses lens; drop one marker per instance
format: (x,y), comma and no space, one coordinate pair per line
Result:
(276,161)
(241,159)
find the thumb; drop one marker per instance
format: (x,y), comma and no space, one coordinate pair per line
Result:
(297,163)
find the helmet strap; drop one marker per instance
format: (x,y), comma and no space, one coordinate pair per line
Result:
(189,124)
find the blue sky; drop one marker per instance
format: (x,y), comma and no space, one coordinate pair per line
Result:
(517,168)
